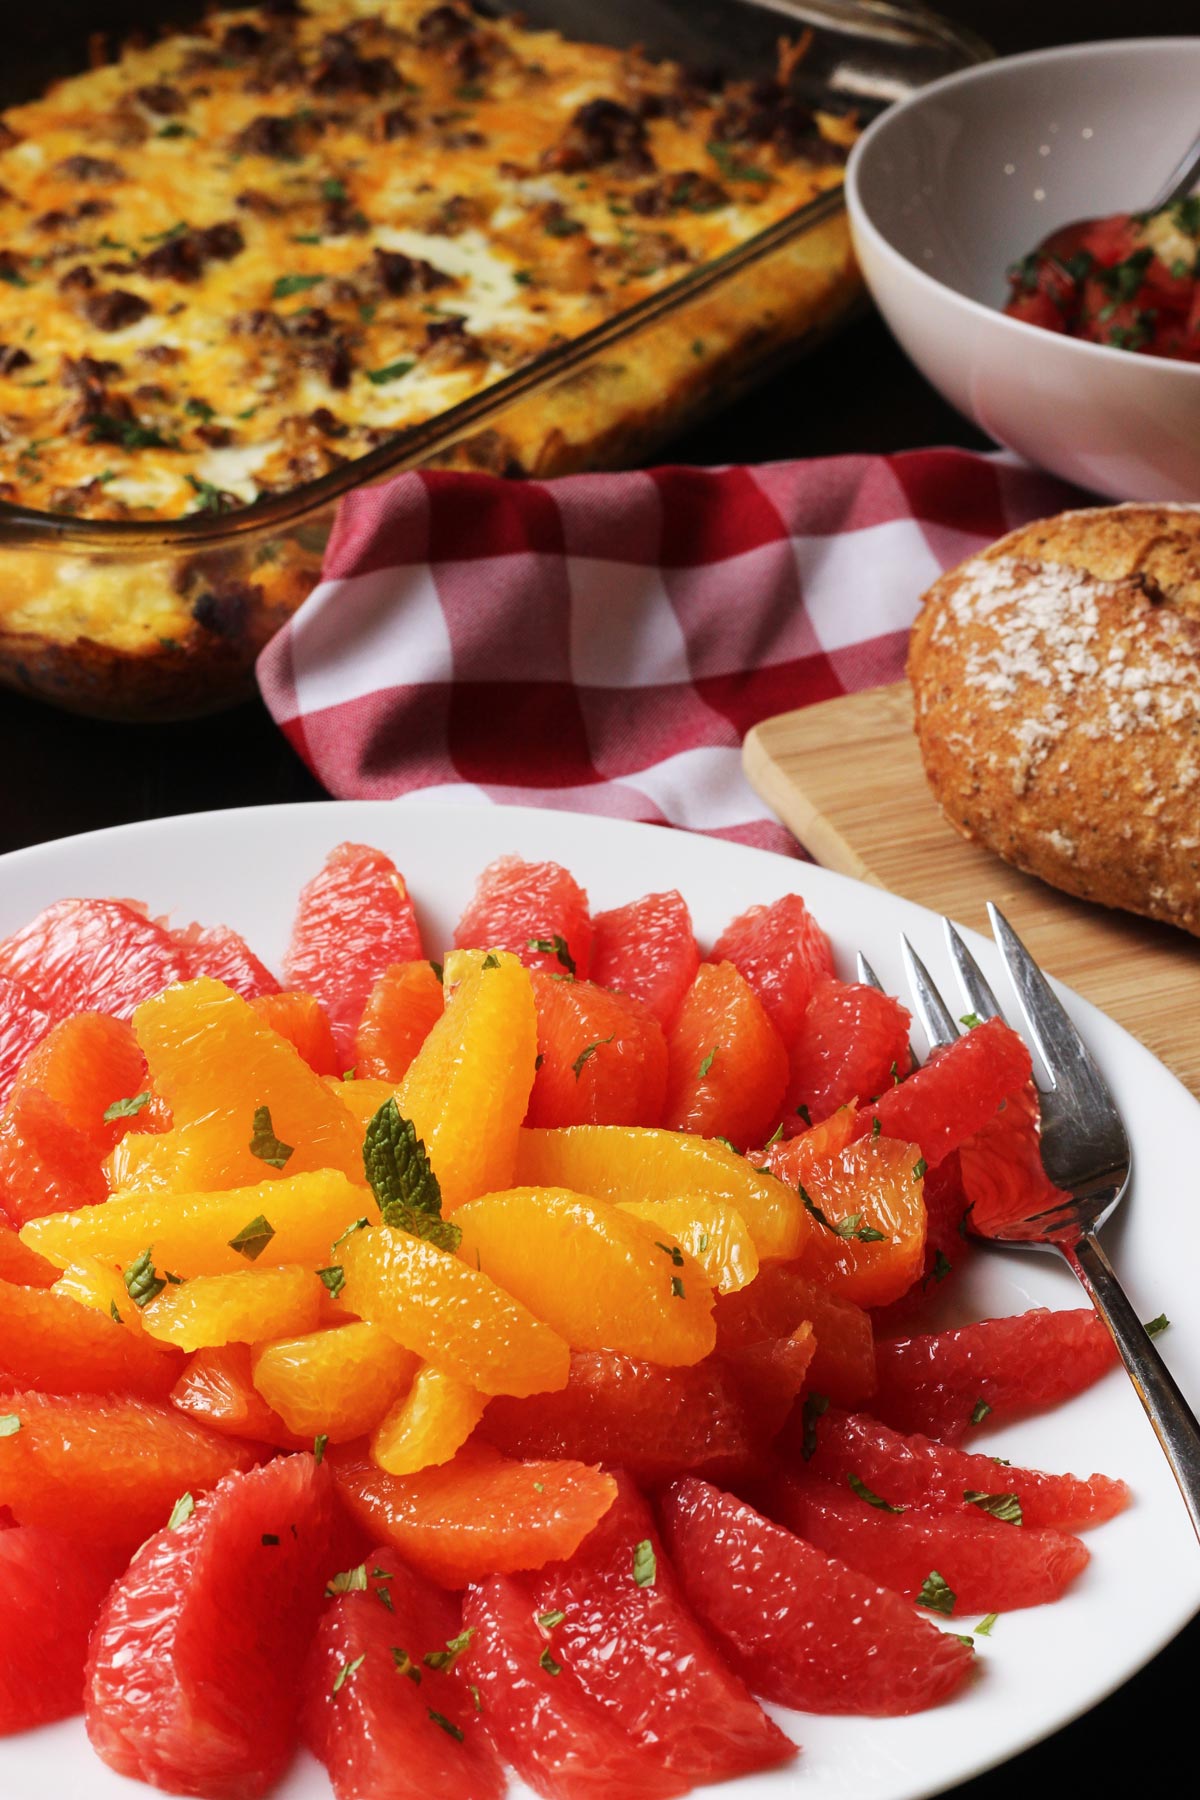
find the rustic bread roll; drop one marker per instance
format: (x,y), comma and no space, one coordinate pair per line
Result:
(1057,686)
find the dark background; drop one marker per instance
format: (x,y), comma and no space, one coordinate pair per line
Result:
(65,775)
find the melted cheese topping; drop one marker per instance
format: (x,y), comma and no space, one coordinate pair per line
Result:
(259,248)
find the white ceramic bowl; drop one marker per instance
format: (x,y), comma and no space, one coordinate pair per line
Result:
(947,189)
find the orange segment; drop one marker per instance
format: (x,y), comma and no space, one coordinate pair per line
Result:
(339,1383)
(402,1009)
(429,1424)
(363,1097)
(727,1068)
(619,1163)
(478,1515)
(467,1091)
(106,1469)
(302,1020)
(48,1341)
(217,1388)
(191,1233)
(873,1247)
(593,1273)
(91,1281)
(450,1314)
(235,1309)
(215,1062)
(713,1233)
(778,1304)
(20,1264)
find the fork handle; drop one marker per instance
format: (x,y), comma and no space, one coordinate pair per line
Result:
(1175,1424)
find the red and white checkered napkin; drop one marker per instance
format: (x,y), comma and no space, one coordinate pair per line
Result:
(603,642)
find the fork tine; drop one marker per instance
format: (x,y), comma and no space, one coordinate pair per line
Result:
(1068,1061)
(976,992)
(939,1027)
(867,975)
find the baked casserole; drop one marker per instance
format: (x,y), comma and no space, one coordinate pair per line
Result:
(284,250)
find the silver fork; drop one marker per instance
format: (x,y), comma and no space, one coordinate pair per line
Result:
(1085,1151)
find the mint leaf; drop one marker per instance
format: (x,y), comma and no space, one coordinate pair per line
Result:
(707,1064)
(334,1278)
(116,1317)
(181,1512)
(253,1238)
(871,1497)
(405,1664)
(937,1594)
(358,1225)
(590,1050)
(548,1620)
(285,286)
(125,1109)
(454,1731)
(264,1144)
(446,1659)
(490,961)
(979,1412)
(10,1424)
(941,1268)
(546,1661)
(402,1180)
(970,1020)
(141,1283)
(1001,1506)
(1155,1326)
(815,1407)
(554,946)
(350,1581)
(320,1445)
(645,1564)
(984,1627)
(919,1168)
(677,1287)
(346,1671)
(390,371)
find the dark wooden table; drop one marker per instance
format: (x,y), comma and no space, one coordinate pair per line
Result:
(66,775)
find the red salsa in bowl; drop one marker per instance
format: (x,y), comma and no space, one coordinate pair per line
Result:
(1131,281)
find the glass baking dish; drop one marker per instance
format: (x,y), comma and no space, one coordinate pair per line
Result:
(163,619)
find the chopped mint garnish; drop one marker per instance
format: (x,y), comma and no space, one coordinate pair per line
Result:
(871,1497)
(346,1671)
(707,1064)
(1001,1506)
(970,1020)
(815,1407)
(645,1564)
(919,1168)
(141,1282)
(937,1594)
(677,1288)
(984,1627)
(548,1620)
(285,286)
(671,1250)
(263,1142)
(334,1278)
(446,1659)
(1155,1326)
(116,1317)
(546,1661)
(453,1731)
(979,1412)
(490,961)
(405,1665)
(181,1512)
(390,371)
(125,1109)
(554,946)
(590,1050)
(320,1445)
(358,1225)
(398,1169)
(350,1581)
(253,1238)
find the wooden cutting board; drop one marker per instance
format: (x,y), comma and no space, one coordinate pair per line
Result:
(845,776)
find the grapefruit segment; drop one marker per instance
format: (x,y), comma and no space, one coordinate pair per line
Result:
(989,1565)
(51,1589)
(602,1058)
(944,1384)
(353,920)
(954,1094)
(300,1018)
(477,1514)
(800,1626)
(536,910)
(20,1264)
(217,1388)
(401,1010)
(24,1022)
(917,1471)
(51,1343)
(852,1043)
(647,950)
(783,953)
(635,1648)
(782,1299)
(222,953)
(102,955)
(192,1680)
(377,1733)
(106,1469)
(555,1737)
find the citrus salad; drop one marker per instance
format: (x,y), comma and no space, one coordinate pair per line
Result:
(512,1361)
